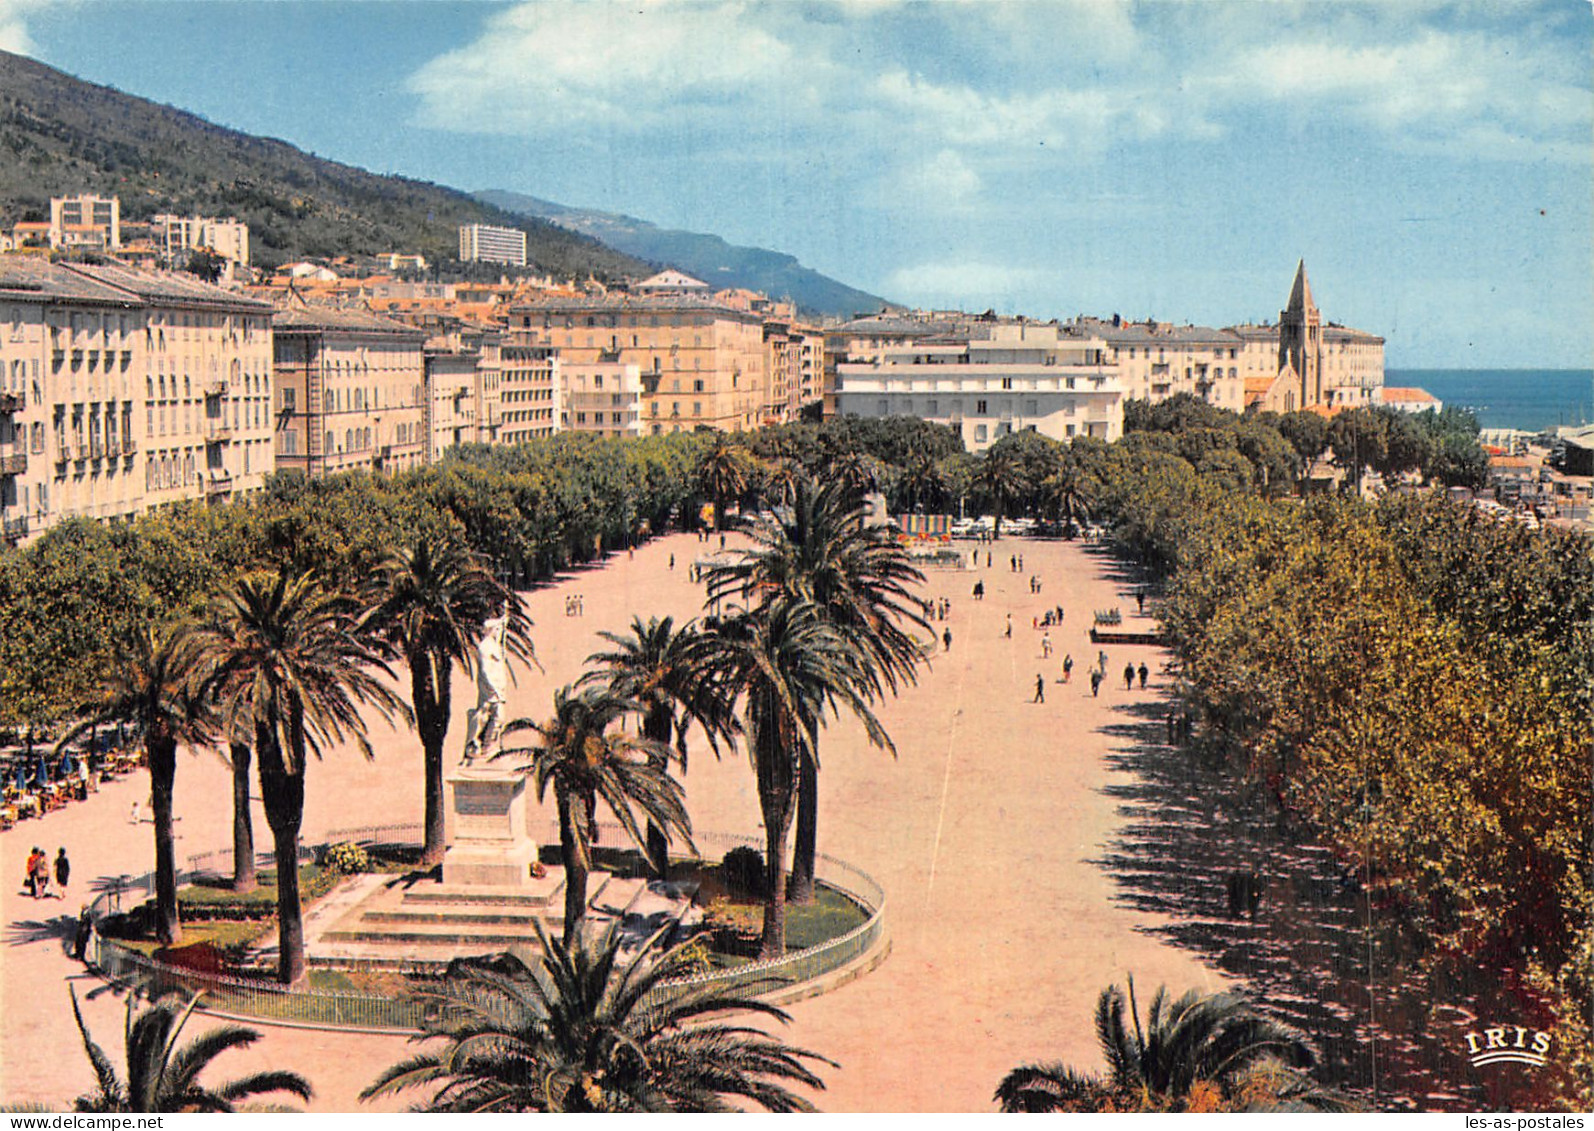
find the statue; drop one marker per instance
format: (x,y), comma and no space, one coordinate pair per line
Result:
(484,722)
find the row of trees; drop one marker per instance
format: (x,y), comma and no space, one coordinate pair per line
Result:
(1413,682)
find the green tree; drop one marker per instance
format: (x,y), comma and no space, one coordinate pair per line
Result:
(723,475)
(658,666)
(585,1030)
(430,604)
(859,580)
(1000,480)
(584,757)
(163,1076)
(293,661)
(1216,1040)
(790,667)
(154,684)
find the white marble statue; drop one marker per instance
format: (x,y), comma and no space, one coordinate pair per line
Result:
(484,722)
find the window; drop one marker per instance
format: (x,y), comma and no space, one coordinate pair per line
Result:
(979,433)
(980,410)
(1031,407)
(931,407)
(697,385)
(1007,383)
(289,399)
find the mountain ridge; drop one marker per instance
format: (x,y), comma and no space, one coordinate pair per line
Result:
(709,257)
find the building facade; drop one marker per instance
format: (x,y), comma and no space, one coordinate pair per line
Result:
(603,399)
(488,244)
(701,361)
(350,391)
(123,390)
(86,221)
(528,388)
(450,397)
(1010,378)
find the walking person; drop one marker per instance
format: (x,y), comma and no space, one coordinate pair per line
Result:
(63,872)
(1008,632)
(946,640)
(1040,689)
(1046,646)
(672,561)
(1143,673)
(1129,677)
(1095,683)
(39,868)
(1101,663)
(987,559)
(1140,601)
(1068,668)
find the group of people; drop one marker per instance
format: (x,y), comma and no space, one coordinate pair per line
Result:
(937,609)
(575,605)
(37,878)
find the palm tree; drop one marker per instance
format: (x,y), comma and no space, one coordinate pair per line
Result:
(790,666)
(659,667)
(1215,1039)
(163,1076)
(857,579)
(723,475)
(1001,480)
(587,1030)
(154,682)
(1065,495)
(579,753)
(291,660)
(921,483)
(857,473)
(240,754)
(430,603)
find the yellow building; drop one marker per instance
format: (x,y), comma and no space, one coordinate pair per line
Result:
(350,391)
(701,361)
(122,390)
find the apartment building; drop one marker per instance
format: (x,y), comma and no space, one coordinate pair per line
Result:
(528,388)
(123,390)
(997,379)
(450,397)
(489,244)
(864,340)
(702,361)
(175,236)
(350,391)
(1156,360)
(603,399)
(86,221)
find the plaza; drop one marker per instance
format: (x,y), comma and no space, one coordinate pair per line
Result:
(982,832)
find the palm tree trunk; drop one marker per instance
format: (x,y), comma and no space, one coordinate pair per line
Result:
(431,720)
(657,725)
(162,777)
(801,888)
(283,794)
(775,799)
(573,848)
(243,829)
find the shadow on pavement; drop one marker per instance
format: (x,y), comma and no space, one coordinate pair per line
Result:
(1208,854)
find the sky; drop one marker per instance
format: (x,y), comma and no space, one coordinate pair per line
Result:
(1430,162)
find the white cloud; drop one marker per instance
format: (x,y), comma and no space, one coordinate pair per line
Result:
(889,88)
(980,284)
(13,25)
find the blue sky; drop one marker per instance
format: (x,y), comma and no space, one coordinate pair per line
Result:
(1431,162)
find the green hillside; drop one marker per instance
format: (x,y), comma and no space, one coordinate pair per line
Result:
(61,136)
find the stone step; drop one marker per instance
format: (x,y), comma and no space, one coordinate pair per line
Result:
(438,934)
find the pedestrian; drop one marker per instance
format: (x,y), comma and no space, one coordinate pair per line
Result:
(1059,614)
(1021,563)
(1008,631)
(946,640)
(134,816)
(987,559)
(1143,673)
(1040,689)
(63,872)
(672,561)
(39,869)
(1140,601)
(1095,683)
(1129,677)
(1068,668)
(1046,645)
(722,541)
(1101,662)
(1012,563)
(84,932)
(976,558)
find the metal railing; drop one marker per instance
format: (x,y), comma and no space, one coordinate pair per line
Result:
(260,999)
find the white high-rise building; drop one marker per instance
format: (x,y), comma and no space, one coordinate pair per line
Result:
(487,244)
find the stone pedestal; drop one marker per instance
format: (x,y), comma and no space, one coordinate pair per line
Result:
(488,842)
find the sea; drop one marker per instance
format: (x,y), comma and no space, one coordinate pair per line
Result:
(1530,399)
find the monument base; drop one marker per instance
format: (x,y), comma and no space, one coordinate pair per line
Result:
(488,842)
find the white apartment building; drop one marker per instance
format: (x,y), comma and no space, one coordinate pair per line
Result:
(1015,376)
(174,235)
(122,390)
(86,221)
(529,387)
(450,397)
(601,398)
(489,244)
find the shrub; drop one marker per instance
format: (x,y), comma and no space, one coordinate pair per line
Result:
(346,858)
(743,869)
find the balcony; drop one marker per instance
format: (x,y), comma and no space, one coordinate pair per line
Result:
(12,402)
(129,446)
(13,461)
(219,483)
(217,430)
(14,528)
(113,447)
(216,387)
